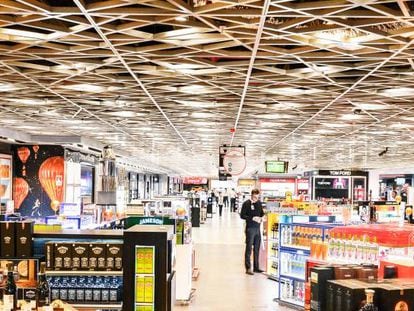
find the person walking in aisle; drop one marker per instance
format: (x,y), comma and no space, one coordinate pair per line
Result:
(252,212)
(220,202)
(233,200)
(226,198)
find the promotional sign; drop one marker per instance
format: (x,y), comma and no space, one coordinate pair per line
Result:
(234,162)
(195,180)
(278,167)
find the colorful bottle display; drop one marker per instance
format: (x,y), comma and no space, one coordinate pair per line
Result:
(42,290)
(293,291)
(353,249)
(86,289)
(293,264)
(300,236)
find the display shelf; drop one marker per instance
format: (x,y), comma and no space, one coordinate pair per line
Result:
(117,306)
(144,274)
(273,277)
(298,250)
(35,257)
(296,277)
(273,239)
(83,273)
(274,258)
(292,302)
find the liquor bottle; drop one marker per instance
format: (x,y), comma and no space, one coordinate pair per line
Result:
(10,290)
(42,290)
(369,305)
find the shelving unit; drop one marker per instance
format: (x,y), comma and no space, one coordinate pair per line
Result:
(144,278)
(273,246)
(294,250)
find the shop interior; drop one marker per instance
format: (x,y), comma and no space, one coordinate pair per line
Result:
(134,134)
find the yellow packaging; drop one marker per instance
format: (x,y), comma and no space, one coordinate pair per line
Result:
(149,265)
(149,289)
(140,289)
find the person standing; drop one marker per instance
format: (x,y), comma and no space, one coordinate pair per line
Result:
(233,195)
(220,202)
(252,212)
(226,198)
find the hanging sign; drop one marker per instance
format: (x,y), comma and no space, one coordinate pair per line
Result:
(234,162)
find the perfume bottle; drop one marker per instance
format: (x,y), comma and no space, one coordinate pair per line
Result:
(369,305)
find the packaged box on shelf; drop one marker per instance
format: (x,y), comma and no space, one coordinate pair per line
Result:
(80,256)
(114,256)
(50,255)
(149,289)
(140,289)
(26,293)
(319,278)
(97,256)
(63,256)
(396,296)
(24,238)
(8,239)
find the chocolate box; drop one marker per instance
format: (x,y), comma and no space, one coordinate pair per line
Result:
(114,256)
(24,239)
(319,278)
(80,256)
(63,256)
(97,256)
(8,239)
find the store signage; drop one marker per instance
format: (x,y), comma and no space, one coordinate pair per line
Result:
(246,182)
(150,221)
(234,162)
(195,180)
(278,180)
(340,173)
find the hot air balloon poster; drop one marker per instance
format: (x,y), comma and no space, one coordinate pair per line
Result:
(5,177)
(45,179)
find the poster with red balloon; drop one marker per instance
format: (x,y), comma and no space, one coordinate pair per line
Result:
(38,180)
(5,177)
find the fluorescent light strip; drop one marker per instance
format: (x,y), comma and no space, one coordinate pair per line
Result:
(251,64)
(122,60)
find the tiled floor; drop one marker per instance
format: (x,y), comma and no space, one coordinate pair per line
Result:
(222,284)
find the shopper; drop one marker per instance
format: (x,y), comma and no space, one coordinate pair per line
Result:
(220,202)
(226,198)
(252,212)
(210,204)
(233,195)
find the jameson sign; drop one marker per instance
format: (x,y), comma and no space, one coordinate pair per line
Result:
(150,221)
(144,220)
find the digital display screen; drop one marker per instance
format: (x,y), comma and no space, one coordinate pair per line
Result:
(276,166)
(86,180)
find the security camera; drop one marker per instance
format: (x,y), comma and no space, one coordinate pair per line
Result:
(357,111)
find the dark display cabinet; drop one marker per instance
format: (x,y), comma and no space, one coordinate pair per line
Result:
(146,249)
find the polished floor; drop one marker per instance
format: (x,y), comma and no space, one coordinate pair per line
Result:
(222,284)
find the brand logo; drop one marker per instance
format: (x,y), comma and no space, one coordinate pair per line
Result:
(340,173)
(7,239)
(97,250)
(152,221)
(63,249)
(114,250)
(80,250)
(23,240)
(30,294)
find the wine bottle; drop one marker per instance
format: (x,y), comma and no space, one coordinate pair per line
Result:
(42,290)
(10,290)
(369,305)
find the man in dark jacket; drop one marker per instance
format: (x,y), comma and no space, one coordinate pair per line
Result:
(252,212)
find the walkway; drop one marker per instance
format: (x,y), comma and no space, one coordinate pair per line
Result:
(222,284)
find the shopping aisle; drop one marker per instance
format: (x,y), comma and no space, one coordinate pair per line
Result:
(222,284)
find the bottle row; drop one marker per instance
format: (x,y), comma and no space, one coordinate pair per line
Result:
(86,289)
(353,249)
(84,256)
(293,264)
(292,290)
(302,236)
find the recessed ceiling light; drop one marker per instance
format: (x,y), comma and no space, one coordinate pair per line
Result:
(198,104)
(368,106)
(4,87)
(182,18)
(194,89)
(350,117)
(291,91)
(335,125)
(400,125)
(84,87)
(203,115)
(124,114)
(398,91)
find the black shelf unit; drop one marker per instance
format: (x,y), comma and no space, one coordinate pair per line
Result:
(154,240)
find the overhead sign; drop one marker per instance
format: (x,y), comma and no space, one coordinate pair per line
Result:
(195,180)
(234,162)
